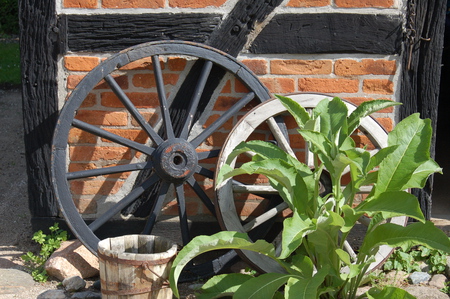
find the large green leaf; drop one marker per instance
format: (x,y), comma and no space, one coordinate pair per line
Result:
(262,148)
(222,285)
(324,238)
(392,204)
(388,292)
(299,113)
(413,137)
(365,109)
(306,288)
(418,233)
(421,174)
(220,240)
(263,286)
(295,228)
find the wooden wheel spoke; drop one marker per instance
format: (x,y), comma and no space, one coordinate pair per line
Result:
(157,206)
(239,187)
(202,195)
(208,154)
(204,172)
(132,109)
(196,98)
(283,143)
(223,119)
(348,248)
(108,170)
(112,137)
(131,197)
(162,97)
(182,213)
(266,216)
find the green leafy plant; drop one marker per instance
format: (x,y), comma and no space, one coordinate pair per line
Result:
(408,261)
(49,243)
(313,259)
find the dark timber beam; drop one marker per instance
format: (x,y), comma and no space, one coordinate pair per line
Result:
(39,50)
(421,80)
(330,33)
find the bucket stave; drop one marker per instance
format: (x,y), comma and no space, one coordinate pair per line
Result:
(136,266)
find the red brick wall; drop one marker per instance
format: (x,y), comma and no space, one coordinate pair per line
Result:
(356,78)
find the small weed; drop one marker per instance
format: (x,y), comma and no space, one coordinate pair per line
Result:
(49,243)
(408,261)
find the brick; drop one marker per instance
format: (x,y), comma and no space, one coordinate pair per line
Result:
(171,209)
(89,101)
(308,3)
(80,136)
(359,101)
(240,87)
(73,80)
(279,85)
(227,87)
(251,207)
(228,125)
(195,3)
(363,141)
(328,85)
(139,99)
(301,67)
(150,117)
(257,66)
(364,3)
(85,206)
(81,166)
(176,64)
(103,118)
(297,141)
(142,64)
(93,153)
(148,80)
(94,187)
(80,63)
(122,80)
(80,3)
(224,103)
(378,86)
(132,3)
(386,123)
(130,134)
(350,67)
(216,139)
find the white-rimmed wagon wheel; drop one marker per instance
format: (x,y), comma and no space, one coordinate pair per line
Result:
(123,146)
(255,192)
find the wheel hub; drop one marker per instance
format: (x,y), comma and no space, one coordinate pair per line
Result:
(175,160)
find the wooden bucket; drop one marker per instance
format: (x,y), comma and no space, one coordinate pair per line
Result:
(136,266)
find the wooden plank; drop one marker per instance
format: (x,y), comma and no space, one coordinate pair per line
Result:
(330,33)
(420,83)
(39,49)
(113,32)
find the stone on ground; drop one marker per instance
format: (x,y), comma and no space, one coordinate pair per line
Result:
(14,281)
(52,294)
(421,292)
(72,259)
(74,283)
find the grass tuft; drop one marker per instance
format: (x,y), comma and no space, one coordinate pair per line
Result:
(9,64)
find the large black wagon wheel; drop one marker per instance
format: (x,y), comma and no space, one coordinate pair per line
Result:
(169,156)
(233,190)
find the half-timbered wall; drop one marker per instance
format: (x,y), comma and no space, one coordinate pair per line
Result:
(347,48)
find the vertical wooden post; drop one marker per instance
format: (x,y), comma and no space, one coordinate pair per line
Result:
(39,51)
(421,80)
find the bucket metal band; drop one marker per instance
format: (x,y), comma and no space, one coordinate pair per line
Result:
(134,262)
(135,291)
